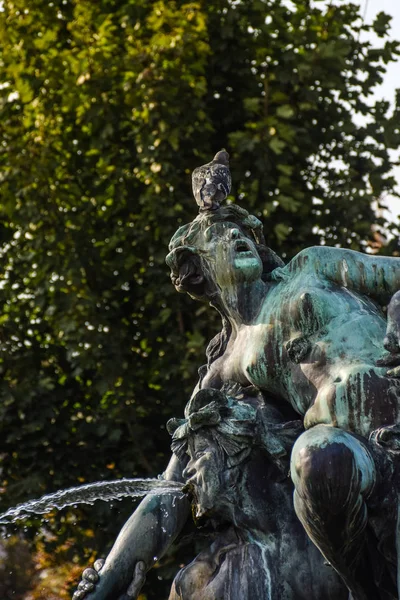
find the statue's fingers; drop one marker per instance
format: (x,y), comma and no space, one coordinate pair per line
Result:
(98,565)
(394,372)
(389,360)
(90,575)
(89,578)
(139,577)
(86,586)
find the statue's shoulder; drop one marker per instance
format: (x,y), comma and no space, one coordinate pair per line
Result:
(305,261)
(314,254)
(315,259)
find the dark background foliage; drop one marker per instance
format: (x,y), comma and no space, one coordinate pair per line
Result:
(105,108)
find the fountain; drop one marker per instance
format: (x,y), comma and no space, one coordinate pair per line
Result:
(302,378)
(89,493)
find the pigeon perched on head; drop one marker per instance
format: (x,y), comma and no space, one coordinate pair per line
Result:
(212,182)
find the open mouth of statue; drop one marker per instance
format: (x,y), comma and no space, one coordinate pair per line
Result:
(242,247)
(189,490)
(200,516)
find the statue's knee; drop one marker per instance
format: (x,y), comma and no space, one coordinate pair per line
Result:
(309,451)
(330,463)
(324,473)
(315,467)
(301,464)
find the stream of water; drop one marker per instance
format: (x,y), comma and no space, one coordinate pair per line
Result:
(88,494)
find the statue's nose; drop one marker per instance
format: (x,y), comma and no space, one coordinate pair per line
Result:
(235,234)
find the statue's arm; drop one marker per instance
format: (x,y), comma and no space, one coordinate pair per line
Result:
(145,537)
(375,276)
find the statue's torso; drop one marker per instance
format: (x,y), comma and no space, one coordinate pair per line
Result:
(289,567)
(340,336)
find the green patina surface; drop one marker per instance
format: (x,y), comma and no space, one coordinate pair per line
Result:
(299,370)
(310,332)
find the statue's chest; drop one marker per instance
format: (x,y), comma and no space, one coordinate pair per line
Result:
(255,356)
(258,355)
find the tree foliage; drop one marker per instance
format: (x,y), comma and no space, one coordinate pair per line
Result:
(106,107)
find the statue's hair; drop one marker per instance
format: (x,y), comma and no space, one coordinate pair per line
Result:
(188,274)
(188,234)
(184,256)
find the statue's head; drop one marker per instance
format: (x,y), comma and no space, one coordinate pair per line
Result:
(221,431)
(217,249)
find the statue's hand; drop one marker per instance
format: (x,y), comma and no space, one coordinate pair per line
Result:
(92,576)
(139,577)
(89,579)
(390,360)
(395,372)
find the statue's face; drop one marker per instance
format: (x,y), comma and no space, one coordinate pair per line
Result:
(204,473)
(230,255)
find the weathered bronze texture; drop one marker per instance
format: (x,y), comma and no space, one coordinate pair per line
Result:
(305,366)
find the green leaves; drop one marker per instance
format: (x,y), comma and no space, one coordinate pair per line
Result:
(277,145)
(381,24)
(285,111)
(108,107)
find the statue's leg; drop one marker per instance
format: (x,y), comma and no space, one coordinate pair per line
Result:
(333,474)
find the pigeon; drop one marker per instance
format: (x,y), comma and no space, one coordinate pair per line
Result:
(212,182)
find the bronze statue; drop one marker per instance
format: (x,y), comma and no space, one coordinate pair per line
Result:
(238,447)
(310,337)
